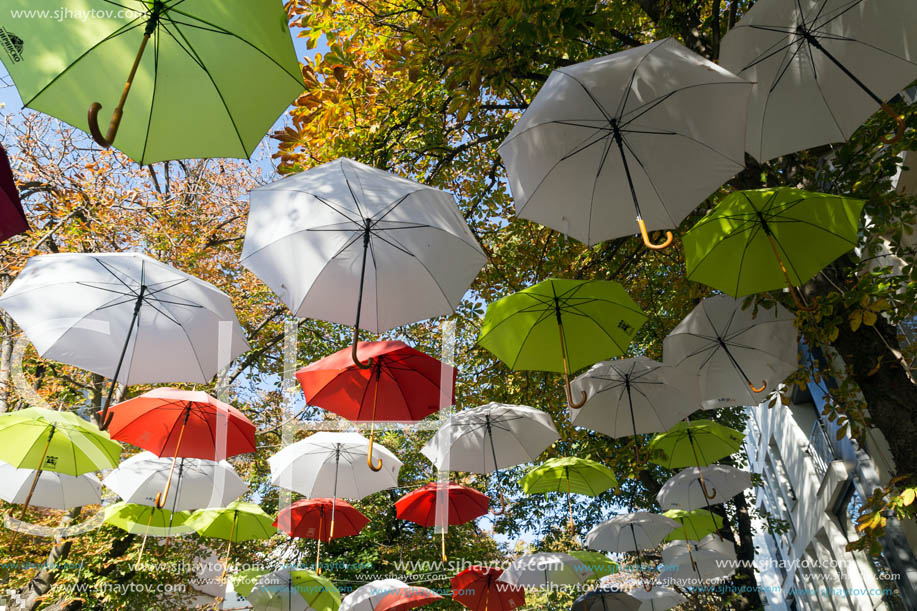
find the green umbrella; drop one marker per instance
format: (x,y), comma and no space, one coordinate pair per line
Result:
(244,581)
(561,326)
(48,440)
(697,443)
(571,475)
(768,239)
(286,590)
(600,564)
(138,519)
(695,524)
(239,521)
(216,76)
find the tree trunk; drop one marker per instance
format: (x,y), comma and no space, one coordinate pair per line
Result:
(6,353)
(745,550)
(31,595)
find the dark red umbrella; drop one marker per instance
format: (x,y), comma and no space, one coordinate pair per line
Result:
(478,589)
(465,504)
(311,519)
(12,216)
(402,385)
(182,424)
(410,597)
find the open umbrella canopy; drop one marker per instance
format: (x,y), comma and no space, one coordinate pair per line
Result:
(819,67)
(410,597)
(59,441)
(648,133)
(630,532)
(311,519)
(186,100)
(710,558)
(238,521)
(695,524)
(244,581)
(52,490)
(569,474)
(605,599)
(695,443)
(769,239)
(367,596)
(139,519)
(12,216)
(600,564)
(737,352)
(659,598)
(464,504)
(294,590)
(685,489)
(545,569)
(479,589)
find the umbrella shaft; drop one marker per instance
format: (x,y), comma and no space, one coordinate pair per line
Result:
(812,40)
(127,341)
(630,181)
(41,462)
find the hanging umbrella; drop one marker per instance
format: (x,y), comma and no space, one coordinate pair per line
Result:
(407,598)
(333,465)
(311,519)
(367,596)
(695,524)
(606,599)
(695,443)
(348,243)
(12,216)
(490,437)
(139,519)
(768,239)
(61,442)
(708,559)
(731,348)
(599,564)
(649,132)
(570,474)
(684,490)
(244,582)
(634,396)
(658,599)
(239,521)
(52,490)
(820,68)
(479,589)
(125,316)
(545,569)
(182,424)
(631,532)
(561,326)
(183,99)
(294,590)
(402,385)
(464,505)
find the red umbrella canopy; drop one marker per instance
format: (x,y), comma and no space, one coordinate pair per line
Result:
(477,588)
(402,385)
(410,597)
(183,423)
(12,216)
(311,519)
(465,504)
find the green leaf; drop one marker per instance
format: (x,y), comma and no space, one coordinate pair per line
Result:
(856,319)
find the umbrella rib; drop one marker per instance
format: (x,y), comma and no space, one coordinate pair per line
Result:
(595,183)
(353,195)
(647,175)
(358,224)
(588,93)
(749,238)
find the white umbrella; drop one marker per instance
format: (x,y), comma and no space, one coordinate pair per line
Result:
(52,490)
(685,490)
(634,396)
(333,465)
(732,348)
(820,68)
(630,532)
(658,599)
(199,484)
(368,596)
(490,437)
(649,132)
(352,244)
(704,560)
(606,599)
(125,316)
(545,569)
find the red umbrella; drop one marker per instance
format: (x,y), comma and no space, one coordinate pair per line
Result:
(411,597)
(465,504)
(478,589)
(182,424)
(12,216)
(401,385)
(306,519)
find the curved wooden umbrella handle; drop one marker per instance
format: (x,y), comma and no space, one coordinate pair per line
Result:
(569,390)
(703,487)
(646,237)
(760,388)
(899,120)
(502,505)
(353,352)
(103,140)
(369,458)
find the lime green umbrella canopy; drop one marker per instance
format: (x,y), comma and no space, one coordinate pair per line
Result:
(238,521)
(244,581)
(695,525)
(212,77)
(139,519)
(58,441)
(291,589)
(561,325)
(747,241)
(695,444)
(600,564)
(568,473)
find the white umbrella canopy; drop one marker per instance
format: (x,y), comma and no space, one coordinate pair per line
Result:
(606,599)
(648,133)
(52,490)
(293,590)
(634,396)
(738,353)
(820,67)
(490,437)
(347,242)
(545,569)
(659,598)
(199,483)
(712,557)
(369,595)
(333,465)
(630,532)
(685,490)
